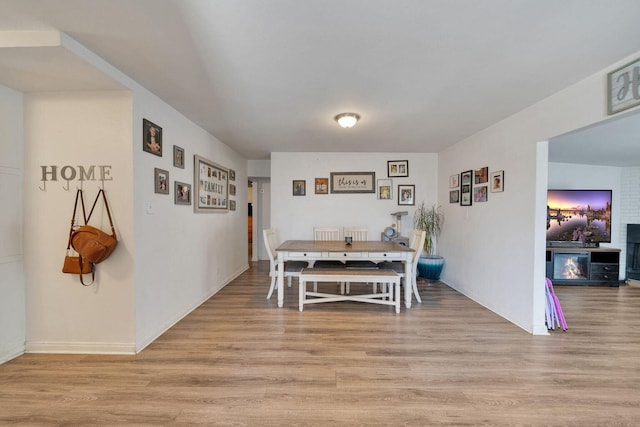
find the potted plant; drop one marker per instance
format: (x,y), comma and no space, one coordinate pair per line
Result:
(430,220)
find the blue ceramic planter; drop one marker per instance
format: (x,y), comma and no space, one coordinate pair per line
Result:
(430,267)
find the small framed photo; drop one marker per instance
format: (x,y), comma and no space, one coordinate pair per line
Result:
(232,175)
(232,189)
(151,138)
(454,196)
(385,189)
(181,193)
(481,175)
(178,157)
(497,182)
(397,168)
(161,181)
(465,177)
(465,194)
(454,181)
(322,185)
(299,187)
(232,205)
(480,193)
(406,195)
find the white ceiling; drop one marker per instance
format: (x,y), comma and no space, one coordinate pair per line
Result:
(269,75)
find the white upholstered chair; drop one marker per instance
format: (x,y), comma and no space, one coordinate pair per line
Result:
(416,243)
(291,268)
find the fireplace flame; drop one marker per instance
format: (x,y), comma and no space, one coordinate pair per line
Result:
(571,269)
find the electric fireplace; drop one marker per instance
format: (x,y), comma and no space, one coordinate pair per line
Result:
(571,266)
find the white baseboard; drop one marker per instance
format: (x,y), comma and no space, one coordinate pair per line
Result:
(80,347)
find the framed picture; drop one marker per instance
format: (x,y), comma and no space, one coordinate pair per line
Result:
(322,185)
(481,175)
(211,186)
(353,182)
(454,181)
(161,181)
(151,138)
(397,168)
(465,177)
(232,175)
(465,194)
(385,189)
(232,205)
(454,196)
(178,157)
(480,193)
(181,193)
(232,190)
(406,195)
(299,187)
(497,182)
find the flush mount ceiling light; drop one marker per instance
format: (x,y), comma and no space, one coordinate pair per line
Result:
(347,120)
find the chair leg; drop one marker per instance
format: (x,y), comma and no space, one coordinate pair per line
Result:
(272,287)
(315,286)
(414,284)
(289,281)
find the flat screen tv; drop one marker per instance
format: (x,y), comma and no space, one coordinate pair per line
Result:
(579,216)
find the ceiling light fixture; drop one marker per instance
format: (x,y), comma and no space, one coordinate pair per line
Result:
(347,120)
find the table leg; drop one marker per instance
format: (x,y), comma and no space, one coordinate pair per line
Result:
(280,283)
(408,280)
(397,297)
(302,288)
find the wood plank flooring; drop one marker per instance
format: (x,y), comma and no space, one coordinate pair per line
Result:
(238,360)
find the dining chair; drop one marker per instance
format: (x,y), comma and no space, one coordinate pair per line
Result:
(326,234)
(358,235)
(416,243)
(291,268)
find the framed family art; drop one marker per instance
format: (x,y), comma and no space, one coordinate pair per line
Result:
(211,186)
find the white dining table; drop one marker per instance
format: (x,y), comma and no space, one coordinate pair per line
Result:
(376,251)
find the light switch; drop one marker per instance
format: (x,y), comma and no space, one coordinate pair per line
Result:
(150,210)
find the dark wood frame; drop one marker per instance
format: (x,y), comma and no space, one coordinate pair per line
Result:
(177,193)
(353,182)
(405,187)
(146,134)
(398,164)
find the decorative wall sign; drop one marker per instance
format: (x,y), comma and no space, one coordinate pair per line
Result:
(211,186)
(623,87)
(71,173)
(353,182)
(151,138)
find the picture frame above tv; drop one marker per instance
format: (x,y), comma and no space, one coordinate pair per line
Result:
(579,216)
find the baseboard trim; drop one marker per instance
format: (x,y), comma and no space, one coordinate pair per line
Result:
(61,347)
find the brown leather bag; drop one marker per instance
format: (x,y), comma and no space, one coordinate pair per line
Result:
(75,264)
(91,243)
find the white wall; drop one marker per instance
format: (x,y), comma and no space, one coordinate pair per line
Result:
(294,216)
(495,251)
(181,257)
(167,262)
(12,286)
(77,129)
(629,208)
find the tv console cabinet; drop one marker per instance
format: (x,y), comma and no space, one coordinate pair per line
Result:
(583,266)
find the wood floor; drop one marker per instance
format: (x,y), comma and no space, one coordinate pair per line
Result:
(239,360)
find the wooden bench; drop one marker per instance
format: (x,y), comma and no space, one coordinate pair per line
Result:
(390,277)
